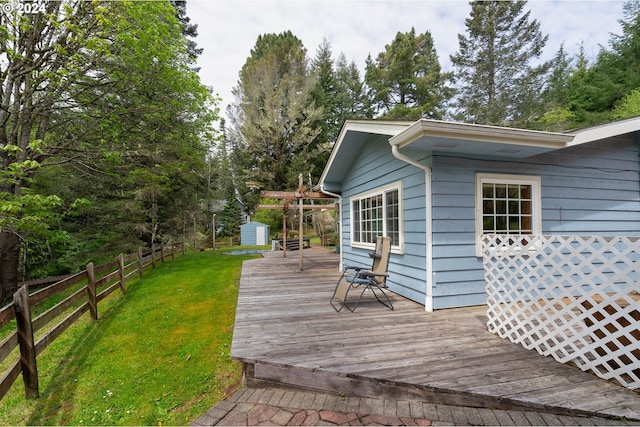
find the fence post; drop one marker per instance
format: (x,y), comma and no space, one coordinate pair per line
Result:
(25,340)
(162,253)
(122,276)
(91,288)
(153,255)
(140,261)
(184,248)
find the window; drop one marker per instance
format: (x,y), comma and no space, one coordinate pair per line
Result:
(377,213)
(507,204)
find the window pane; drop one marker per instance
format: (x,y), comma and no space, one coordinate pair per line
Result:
(487,206)
(507,209)
(393,217)
(488,224)
(377,215)
(513,191)
(356,221)
(487,191)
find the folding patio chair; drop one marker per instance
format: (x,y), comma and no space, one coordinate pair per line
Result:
(374,279)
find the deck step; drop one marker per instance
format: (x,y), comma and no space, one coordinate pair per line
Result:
(262,374)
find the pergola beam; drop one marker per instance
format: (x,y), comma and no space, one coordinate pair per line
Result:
(288,198)
(294,195)
(286,206)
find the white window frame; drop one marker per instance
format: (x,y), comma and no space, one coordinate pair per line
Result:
(493,178)
(395,186)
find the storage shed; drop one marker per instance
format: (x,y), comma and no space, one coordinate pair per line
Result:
(254,234)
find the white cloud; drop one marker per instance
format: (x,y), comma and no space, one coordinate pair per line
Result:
(228,29)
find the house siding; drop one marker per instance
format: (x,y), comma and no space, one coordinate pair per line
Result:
(590,189)
(373,168)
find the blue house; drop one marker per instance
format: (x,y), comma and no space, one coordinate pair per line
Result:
(436,187)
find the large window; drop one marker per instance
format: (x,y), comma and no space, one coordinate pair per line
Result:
(377,213)
(507,204)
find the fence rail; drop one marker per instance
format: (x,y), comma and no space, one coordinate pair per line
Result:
(94,285)
(573,298)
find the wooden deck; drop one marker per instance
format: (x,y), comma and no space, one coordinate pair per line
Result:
(287,332)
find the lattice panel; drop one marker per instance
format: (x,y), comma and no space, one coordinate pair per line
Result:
(574,298)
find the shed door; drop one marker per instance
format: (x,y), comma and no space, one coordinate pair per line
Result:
(260,240)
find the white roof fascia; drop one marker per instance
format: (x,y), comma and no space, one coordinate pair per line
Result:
(605,131)
(390,128)
(484,133)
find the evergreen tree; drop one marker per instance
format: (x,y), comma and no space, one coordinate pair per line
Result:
(326,96)
(557,116)
(354,102)
(274,118)
(596,90)
(340,94)
(497,82)
(405,81)
(189,30)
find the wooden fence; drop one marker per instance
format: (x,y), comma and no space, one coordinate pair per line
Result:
(94,284)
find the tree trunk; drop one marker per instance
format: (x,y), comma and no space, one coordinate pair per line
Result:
(9,263)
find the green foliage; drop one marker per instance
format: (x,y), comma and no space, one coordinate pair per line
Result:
(605,89)
(274,120)
(120,119)
(271,217)
(230,219)
(496,80)
(405,80)
(629,106)
(120,371)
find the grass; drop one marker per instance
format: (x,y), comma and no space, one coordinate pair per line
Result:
(158,354)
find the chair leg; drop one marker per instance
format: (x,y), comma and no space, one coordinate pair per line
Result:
(340,293)
(386,304)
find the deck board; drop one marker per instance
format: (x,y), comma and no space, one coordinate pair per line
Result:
(286,329)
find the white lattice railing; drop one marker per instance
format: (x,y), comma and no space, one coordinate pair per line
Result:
(574,298)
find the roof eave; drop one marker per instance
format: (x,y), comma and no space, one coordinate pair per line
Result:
(382,127)
(484,133)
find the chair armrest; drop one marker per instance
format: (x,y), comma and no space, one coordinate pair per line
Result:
(353,267)
(369,274)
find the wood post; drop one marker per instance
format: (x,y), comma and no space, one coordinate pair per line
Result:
(26,342)
(153,255)
(121,272)
(284,232)
(91,290)
(140,267)
(162,253)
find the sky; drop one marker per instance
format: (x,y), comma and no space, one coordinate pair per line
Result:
(228,29)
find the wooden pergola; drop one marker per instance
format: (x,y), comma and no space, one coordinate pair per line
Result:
(296,198)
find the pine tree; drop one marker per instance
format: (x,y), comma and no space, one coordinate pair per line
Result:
(274,118)
(405,80)
(497,81)
(600,89)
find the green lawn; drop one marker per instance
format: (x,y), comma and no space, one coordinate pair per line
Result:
(158,354)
